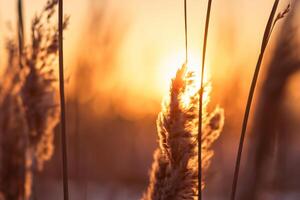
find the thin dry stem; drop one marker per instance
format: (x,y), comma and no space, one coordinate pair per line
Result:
(207,20)
(265,41)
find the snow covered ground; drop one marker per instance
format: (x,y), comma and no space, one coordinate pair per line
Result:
(52,190)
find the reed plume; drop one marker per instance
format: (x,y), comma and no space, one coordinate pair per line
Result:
(39,93)
(13,129)
(29,103)
(174,173)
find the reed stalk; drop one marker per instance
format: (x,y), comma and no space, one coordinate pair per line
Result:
(62,101)
(201,99)
(267,34)
(20,30)
(186,31)
(268,132)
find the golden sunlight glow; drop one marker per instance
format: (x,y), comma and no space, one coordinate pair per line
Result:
(173,62)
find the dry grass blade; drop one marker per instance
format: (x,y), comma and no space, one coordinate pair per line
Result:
(265,41)
(268,29)
(280,16)
(201,98)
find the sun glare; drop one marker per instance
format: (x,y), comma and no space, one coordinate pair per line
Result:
(169,66)
(172,62)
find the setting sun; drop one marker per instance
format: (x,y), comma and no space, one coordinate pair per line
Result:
(172,62)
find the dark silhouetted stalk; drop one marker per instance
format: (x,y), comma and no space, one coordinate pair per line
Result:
(20,30)
(265,41)
(186,31)
(62,101)
(201,101)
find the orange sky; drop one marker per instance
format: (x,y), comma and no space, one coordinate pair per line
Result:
(154,44)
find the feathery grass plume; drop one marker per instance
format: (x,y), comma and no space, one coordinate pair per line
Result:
(39,94)
(284,63)
(13,128)
(28,101)
(267,34)
(174,173)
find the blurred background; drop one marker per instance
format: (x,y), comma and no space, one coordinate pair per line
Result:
(119,59)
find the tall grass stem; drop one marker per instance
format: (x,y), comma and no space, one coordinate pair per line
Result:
(201,100)
(62,102)
(20,30)
(186,31)
(265,41)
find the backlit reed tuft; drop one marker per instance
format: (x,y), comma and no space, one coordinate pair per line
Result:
(174,173)
(39,93)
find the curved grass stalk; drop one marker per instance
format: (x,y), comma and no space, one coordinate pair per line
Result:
(267,34)
(201,99)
